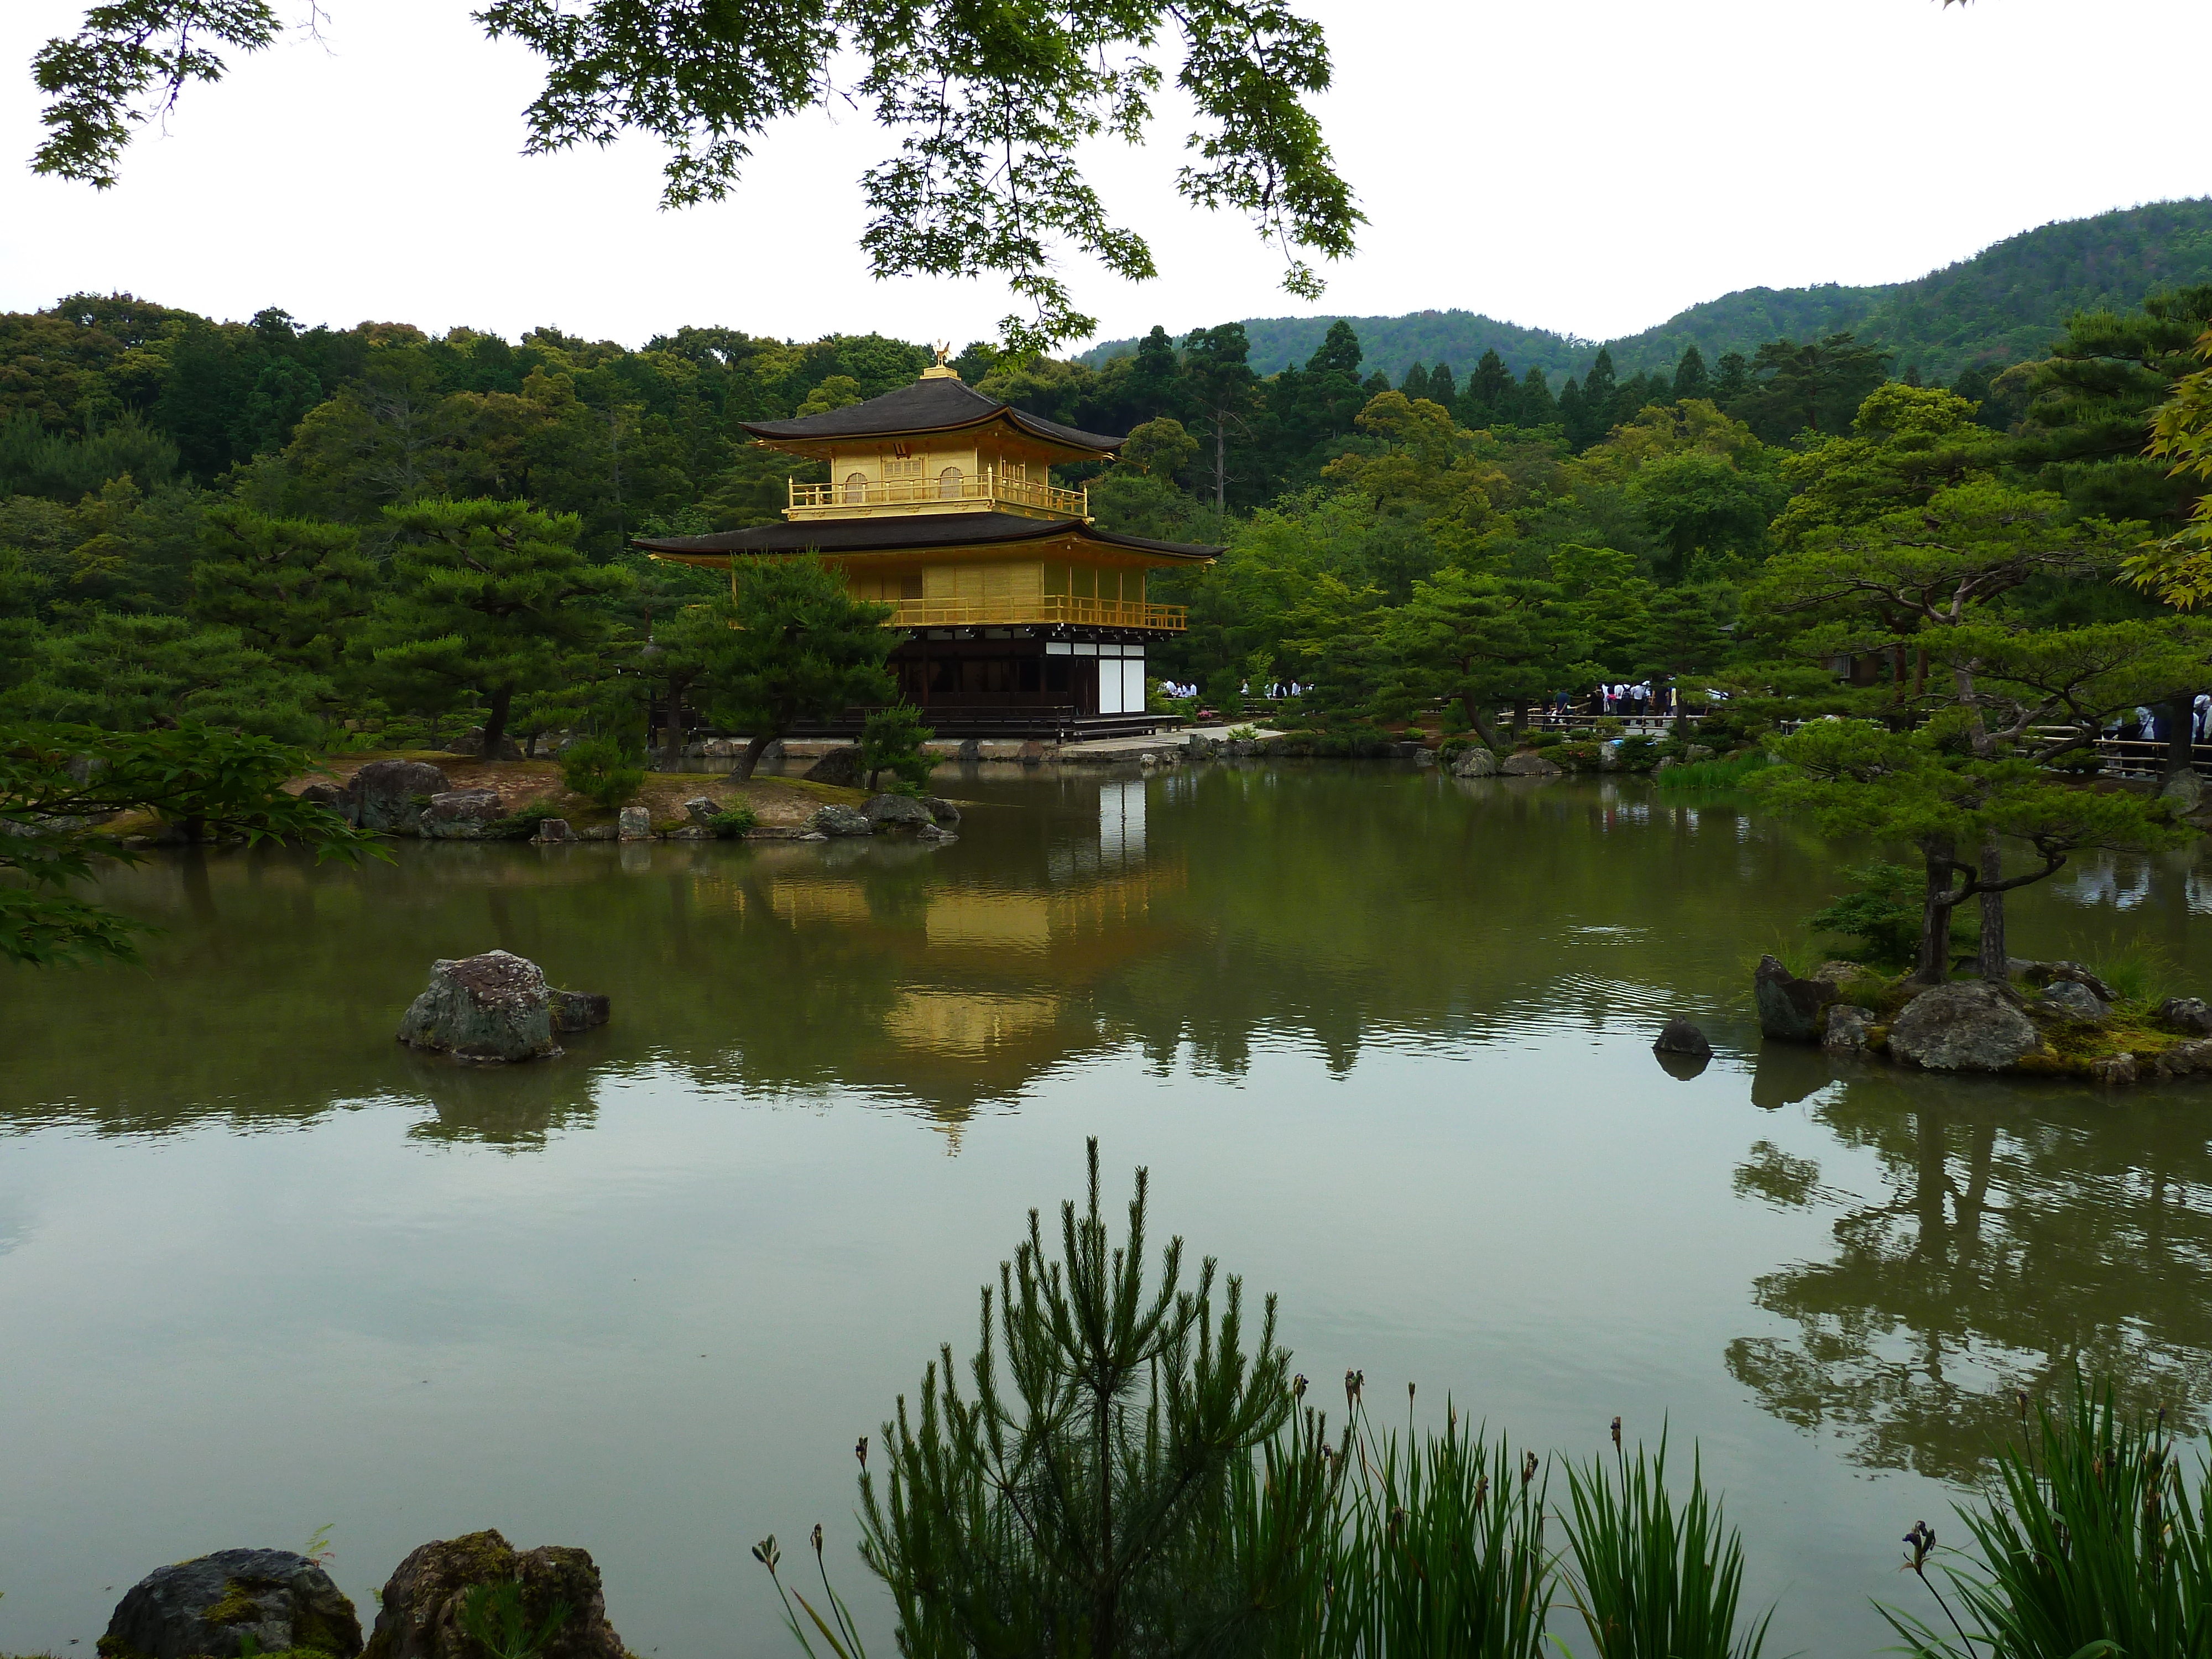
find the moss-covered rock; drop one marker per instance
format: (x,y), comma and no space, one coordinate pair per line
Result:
(422,1613)
(212,1605)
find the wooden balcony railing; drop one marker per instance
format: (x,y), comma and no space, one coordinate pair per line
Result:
(983,488)
(1045,609)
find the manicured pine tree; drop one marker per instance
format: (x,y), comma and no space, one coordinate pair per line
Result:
(485,597)
(801,648)
(293,587)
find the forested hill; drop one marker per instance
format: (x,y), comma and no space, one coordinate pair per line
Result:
(2002,305)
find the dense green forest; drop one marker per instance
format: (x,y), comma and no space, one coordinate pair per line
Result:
(1999,307)
(237,520)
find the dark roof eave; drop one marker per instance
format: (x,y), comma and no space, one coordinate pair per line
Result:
(883,536)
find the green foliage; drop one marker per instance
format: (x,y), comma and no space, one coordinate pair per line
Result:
(989,120)
(737,822)
(890,741)
(1110,1504)
(802,645)
(128,673)
(1653,1579)
(1441,1549)
(59,783)
(293,587)
(599,770)
(486,597)
(1711,774)
(2095,1541)
(493,1617)
(1883,916)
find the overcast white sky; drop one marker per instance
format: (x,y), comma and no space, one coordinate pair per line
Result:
(1591,167)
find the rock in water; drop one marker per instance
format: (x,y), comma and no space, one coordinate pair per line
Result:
(2071,1000)
(2186,1059)
(1681,1037)
(904,812)
(840,766)
(1973,1025)
(1788,1007)
(553,829)
(578,1010)
(1527,766)
(2186,1014)
(391,794)
(493,1007)
(634,823)
(461,814)
(1845,1031)
(420,1616)
(942,812)
(212,1605)
(1475,762)
(841,821)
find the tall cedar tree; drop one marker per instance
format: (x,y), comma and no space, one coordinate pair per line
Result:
(487,597)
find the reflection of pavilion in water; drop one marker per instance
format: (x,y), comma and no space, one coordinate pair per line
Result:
(993,983)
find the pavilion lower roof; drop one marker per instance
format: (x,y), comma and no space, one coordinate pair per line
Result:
(915,532)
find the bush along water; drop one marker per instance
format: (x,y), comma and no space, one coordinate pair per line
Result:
(1122,1477)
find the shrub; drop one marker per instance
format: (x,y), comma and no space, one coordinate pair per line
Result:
(597,769)
(1716,773)
(890,741)
(1637,754)
(1578,757)
(1882,917)
(522,825)
(737,821)
(1545,738)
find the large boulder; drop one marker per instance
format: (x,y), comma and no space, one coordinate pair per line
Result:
(1973,1025)
(1475,762)
(425,1602)
(840,766)
(213,1604)
(496,1006)
(553,829)
(1527,766)
(897,811)
(942,813)
(834,820)
(461,815)
(634,823)
(2187,1014)
(391,794)
(329,796)
(1679,1036)
(1790,1008)
(2190,1059)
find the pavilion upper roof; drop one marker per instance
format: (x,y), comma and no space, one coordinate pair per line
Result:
(936,402)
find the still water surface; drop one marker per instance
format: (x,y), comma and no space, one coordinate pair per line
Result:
(1383,1039)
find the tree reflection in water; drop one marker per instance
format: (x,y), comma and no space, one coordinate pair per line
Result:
(2024,1234)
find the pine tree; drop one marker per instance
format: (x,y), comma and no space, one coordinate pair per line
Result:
(1732,382)
(1534,406)
(801,648)
(1337,353)
(486,597)
(1574,415)
(293,587)
(1416,383)
(1690,374)
(1142,1487)
(1443,388)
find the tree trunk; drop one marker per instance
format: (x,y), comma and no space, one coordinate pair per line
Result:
(1478,718)
(1936,914)
(1220,464)
(756,745)
(496,722)
(673,733)
(2181,735)
(1520,718)
(1989,962)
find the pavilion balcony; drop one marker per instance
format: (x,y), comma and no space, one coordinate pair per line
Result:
(987,488)
(1046,610)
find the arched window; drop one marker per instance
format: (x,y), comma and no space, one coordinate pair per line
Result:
(856,487)
(948,484)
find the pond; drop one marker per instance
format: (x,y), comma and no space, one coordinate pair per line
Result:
(1383,1039)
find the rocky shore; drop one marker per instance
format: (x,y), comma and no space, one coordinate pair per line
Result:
(2044,1020)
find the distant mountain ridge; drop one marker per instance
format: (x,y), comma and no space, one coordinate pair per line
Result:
(2003,305)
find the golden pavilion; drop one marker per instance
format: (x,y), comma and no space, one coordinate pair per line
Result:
(1020,614)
